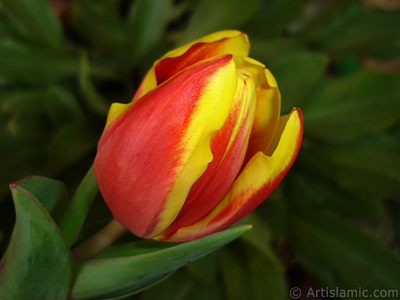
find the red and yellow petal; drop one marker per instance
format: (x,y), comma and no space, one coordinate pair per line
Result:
(267,115)
(224,42)
(228,146)
(256,181)
(187,110)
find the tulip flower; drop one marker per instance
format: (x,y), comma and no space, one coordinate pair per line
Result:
(201,144)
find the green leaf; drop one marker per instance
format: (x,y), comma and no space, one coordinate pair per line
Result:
(21,61)
(147,23)
(76,212)
(21,128)
(220,14)
(63,106)
(370,165)
(347,108)
(325,18)
(35,20)
(100,277)
(261,231)
(361,33)
(272,18)
(95,22)
(203,291)
(342,256)
(346,66)
(267,274)
(250,271)
(314,184)
(22,101)
(135,248)
(205,269)
(52,194)
(273,211)
(272,51)
(125,292)
(235,277)
(70,144)
(94,99)
(178,286)
(37,264)
(297,77)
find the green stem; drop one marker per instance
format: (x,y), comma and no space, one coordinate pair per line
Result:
(77,210)
(99,241)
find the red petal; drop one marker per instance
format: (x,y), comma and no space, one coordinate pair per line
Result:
(140,152)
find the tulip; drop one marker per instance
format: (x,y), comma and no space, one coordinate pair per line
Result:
(200,145)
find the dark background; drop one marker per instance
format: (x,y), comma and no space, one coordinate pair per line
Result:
(335,219)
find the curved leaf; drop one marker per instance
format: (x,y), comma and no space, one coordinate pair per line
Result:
(52,194)
(100,277)
(37,264)
(76,212)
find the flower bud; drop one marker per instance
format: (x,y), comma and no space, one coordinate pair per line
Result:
(201,144)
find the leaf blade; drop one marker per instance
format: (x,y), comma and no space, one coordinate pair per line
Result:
(102,276)
(36,21)
(29,272)
(342,256)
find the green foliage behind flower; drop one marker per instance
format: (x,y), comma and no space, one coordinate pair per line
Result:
(335,219)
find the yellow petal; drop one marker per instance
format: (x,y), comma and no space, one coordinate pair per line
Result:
(267,114)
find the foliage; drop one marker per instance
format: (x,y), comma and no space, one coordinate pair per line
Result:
(334,220)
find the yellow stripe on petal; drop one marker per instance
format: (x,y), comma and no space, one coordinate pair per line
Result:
(225,42)
(115,111)
(245,94)
(232,139)
(257,180)
(236,43)
(231,42)
(267,114)
(210,113)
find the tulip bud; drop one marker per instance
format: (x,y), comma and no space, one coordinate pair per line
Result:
(201,144)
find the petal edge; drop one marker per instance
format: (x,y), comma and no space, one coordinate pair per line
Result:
(250,189)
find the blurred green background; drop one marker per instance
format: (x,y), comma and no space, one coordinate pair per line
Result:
(335,219)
